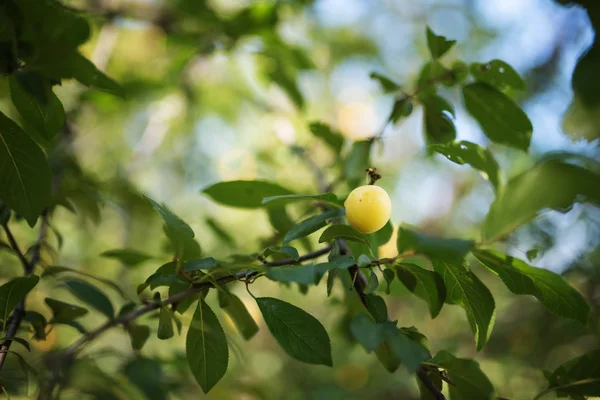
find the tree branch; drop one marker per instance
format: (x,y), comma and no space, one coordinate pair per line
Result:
(424,377)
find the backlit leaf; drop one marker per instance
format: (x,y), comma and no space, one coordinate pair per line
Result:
(428,285)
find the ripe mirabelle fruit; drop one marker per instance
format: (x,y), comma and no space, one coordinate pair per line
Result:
(368,208)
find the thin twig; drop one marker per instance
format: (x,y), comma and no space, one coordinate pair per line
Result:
(424,377)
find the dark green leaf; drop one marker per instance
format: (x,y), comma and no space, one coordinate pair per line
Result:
(308,274)
(465,152)
(300,334)
(333,139)
(244,194)
(357,161)
(432,73)
(235,308)
(386,83)
(91,295)
(165,324)
(438,119)
(202,264)
(37,104)
(176,229)
(289,198)
(388,275)
(387,358)
(330,281)
(206,347)
(469,381)
(369,333)
(38,323)
(310,225)
(551,184)
(499,74)
(428,285)
(282,253)
(420,243)
(500,118)
(410,352)
(382,236)
(55,270)
(13,291)
(19,340)
(342,231)
(551,289)
(25,179)
(377,308)
(438,45)
(219,231)
(466,290)
(402,108)
(129,257)
(64,312)
(579,376)
(436,379)
(363,261)
(185,303)
(372,283)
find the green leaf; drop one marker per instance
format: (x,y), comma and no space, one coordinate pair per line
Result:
(497,73)
(357,161)
(310,225)
(300,334)
(91,295)
(202,264)
(500,118)
(363,261)
(13,291)
(128,257)
(64,312)
(345,232)
(428,285)
(420,243)
(469,381)
(377,308)
(372,283)
(549,288)
(367,332)
(138,334)
(466,290)
(237,311)
(387,358)
(438,119)
(206,347)
(465,152)
(432,73)
(219,231)
(308,274)
(25,179)
(282,253)
(244,194)
(37,104)
(402,108)
(438,45)
(165,324)
(410,352)
(19,340)
(183,305)
(55,270)
(382,236)
(386,83)
(388,276)
(38,323)
(579,376)
(176,229)
(551,184)
(290,198)
(324,132)
(330,281)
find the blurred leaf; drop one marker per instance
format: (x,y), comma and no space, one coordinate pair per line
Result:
(369,333)
(500,118)
(357,161)
(13,291)
(330,281)
(428,285)
(410,352)
(244,194)
(37,104)
(202,264)
(466,290)
(308,274)
(551,184)
(55,270)
(382,236)
(438,45)
(311,225)
(282,253)
(235,308)
(279,218)
(206,347)
(25,179)
(342,231)
(129,257)
(388,276)
(324,132)
(372,283)
(469,381)
(376,307)
(64,312)
(91,295)
(38,323)
(420,243)
(436,379)
(432,73)
(386,83)
(149,376)
(465,152)
(549,288)
(165,324)
(290,198)
(219,231)
(438,119)
(498,74)
(387,358)
(184,304)
(300,334)
(19,340)
(579,376)
(402,108)
(176,229)
(363,261)
(138,334)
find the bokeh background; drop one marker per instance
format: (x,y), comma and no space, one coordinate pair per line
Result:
(207,103)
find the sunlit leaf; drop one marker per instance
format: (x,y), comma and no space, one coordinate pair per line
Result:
(420,243)
(237,311)
(310,225)
(497,73)
(438,45)
(289,198)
